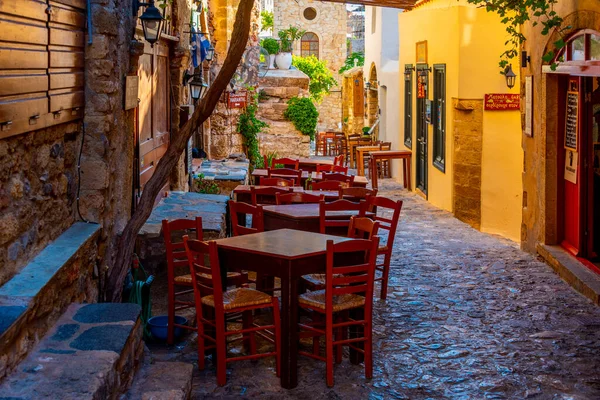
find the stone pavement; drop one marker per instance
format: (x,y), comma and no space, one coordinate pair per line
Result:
(469,316)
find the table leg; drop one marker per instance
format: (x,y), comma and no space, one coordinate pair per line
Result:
(356,331)
(360,164)
(289,328)
(408,173)
(373,173)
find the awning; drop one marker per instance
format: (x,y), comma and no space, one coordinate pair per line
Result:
(406,4)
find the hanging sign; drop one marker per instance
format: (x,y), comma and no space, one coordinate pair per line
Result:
(238,99)
(131,91)
(502,102)
(571,166)
(571,120)
(529,106)
(421,85)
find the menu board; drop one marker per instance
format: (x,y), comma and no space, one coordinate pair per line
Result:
(571,120)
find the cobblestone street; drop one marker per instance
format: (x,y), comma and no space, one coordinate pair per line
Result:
(469,316)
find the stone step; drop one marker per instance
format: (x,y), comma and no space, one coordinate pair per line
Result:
(162,381)
(272,111)
(92,352)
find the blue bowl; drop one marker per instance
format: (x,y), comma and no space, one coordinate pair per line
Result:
(158,326)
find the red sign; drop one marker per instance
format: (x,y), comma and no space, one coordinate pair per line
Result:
(237,99)
(421,86)
(502,102)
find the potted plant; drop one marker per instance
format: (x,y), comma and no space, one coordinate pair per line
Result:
(366,130)
(286,39)
(272,47)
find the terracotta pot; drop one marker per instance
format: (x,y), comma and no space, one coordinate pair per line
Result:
(284,60)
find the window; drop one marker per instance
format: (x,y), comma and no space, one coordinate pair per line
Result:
(408,111)
(309,45)
(310,13)
(582,46)
(439,116)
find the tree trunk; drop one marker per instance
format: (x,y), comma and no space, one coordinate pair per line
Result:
(239,39)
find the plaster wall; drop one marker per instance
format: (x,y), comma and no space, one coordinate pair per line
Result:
(382,52)
(469,41)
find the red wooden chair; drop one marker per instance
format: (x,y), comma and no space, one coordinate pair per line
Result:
(356,193)
(327,185)
(326,222)
(208,294)
(287,172)
(339,160)
(359,228)
(177,259)
(286,162)
(237,210)
(321,144)
(347,288)
(324,168)
(266,195)
(340,169)
(336,176)
(390,225)
(276,182)
(297,198)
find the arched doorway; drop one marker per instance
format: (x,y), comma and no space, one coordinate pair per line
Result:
(372,94)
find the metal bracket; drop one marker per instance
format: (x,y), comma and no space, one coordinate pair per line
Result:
(33,119)
(4,126)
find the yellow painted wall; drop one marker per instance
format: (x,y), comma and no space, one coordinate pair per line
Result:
(469,41)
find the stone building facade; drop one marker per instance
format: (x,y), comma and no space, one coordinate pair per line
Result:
(328,21)
(560,218)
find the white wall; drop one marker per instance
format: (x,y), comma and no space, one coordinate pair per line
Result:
(382,50)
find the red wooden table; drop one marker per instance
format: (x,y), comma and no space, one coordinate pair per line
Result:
(359,181)
(304,217)
(241,193)
(310,164)
(287,254)
(404,155)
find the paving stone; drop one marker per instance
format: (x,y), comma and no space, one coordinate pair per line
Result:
(469,316)
(162,381)
(107,312)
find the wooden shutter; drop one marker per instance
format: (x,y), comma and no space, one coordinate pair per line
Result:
(41,63)
(358,95)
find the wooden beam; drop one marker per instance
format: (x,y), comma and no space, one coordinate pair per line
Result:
(405,4)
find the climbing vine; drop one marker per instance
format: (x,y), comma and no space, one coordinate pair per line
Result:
(303,114)
(249,127)
(321,78)
(516,13)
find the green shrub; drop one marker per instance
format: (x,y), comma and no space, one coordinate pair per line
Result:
(206,186)
(349,63)
(266,19)
(303,114)
(271,45)
(288,36)
(321,78)
(250,126)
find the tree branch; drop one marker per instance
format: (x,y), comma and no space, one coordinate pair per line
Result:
(179,139)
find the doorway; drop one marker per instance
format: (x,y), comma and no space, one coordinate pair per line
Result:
(422,128)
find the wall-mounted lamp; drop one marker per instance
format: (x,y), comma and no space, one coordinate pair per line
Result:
(197,85)
(510,76)
(368,85)
(152,20)
(408,73)
(210,53)
(525,59)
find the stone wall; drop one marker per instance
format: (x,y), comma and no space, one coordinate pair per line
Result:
(468,141)
(330,26)
(38,188)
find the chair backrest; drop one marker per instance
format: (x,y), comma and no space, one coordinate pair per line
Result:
(385,146)
(326,185)
(357,277)
(296,174)
(336,221)
(286,162)
(339,168)
(324,168)
(362,228)
(354,136)
(206,279)
(297,198)
(388,224)
(336,176)
(236,208)
(175,250)
(356,193)
(266,195)
(339,161)
(276,182)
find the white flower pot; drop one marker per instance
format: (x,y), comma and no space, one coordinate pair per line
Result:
(272,61)
(284,60)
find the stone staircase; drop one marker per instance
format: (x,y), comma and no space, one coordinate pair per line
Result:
(277,87)
(54,347)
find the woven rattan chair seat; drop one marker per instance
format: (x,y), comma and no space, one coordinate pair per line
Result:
(187,279)
(316,279)
(240,297)
(316,299)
